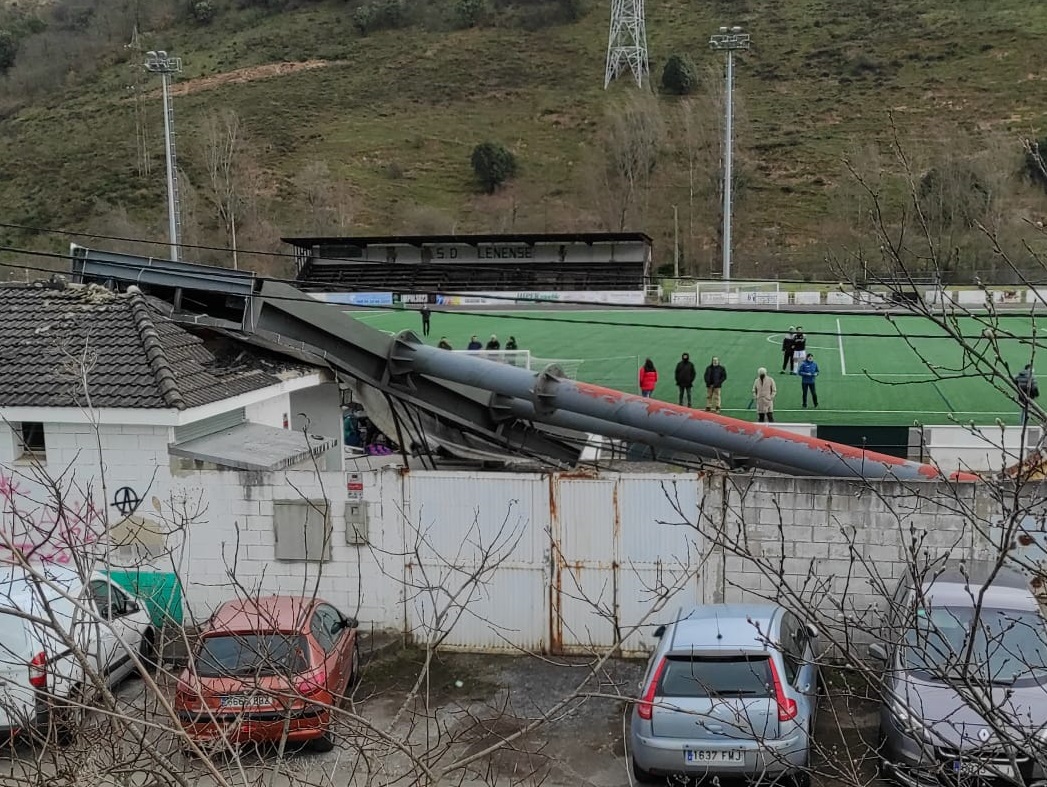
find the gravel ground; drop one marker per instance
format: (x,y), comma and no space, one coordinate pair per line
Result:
(470,703)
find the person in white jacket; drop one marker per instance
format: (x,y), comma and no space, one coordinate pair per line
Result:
(764,391)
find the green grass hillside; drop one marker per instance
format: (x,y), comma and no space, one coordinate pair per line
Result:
(396,113)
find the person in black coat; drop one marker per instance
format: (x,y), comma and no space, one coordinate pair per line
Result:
(787,350)
(715,377)
(685,374)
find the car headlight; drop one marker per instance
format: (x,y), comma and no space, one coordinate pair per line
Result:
(908,721)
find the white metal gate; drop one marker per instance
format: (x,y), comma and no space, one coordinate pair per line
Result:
(622,548)
(476,560)
(559,563)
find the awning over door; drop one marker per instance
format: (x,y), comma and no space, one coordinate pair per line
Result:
(249,446)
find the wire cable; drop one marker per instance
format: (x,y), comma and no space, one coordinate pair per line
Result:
(1034,338)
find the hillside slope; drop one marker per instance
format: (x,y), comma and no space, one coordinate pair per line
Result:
(394,116)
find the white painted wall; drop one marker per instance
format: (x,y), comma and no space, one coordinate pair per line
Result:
(985,449)
(320,408)
(270,412)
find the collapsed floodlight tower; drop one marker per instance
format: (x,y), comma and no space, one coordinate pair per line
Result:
(627,43)
(158,62)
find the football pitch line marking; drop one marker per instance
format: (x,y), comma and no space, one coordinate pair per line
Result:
(839,340)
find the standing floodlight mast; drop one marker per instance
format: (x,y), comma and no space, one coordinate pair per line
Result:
(627,43)
(158,62)
(728,40)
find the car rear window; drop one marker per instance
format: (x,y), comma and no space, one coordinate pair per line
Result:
(252,654)
(731,676)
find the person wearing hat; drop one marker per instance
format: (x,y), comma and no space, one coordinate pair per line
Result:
(684,375)
(764,391)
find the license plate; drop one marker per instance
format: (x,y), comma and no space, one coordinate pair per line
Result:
(239,701)
(975,768)
(707,757)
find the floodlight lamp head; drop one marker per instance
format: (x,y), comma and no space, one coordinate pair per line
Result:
(736,29)
(162,54)
(151,53)
(723,29)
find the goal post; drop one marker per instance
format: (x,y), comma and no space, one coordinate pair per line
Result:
(761,294)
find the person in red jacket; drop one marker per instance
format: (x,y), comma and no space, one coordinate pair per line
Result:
(648,378)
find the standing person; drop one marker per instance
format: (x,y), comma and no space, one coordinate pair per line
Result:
(1025,382)
(474,344)
(685,374)
(715,377)
(511,344)
(799,347)
(426,314)
(648,378)
(808,371)
(787,350)
(493,343)
(444,344)
(764,391)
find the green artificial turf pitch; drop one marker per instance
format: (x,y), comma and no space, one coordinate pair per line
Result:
(869,375)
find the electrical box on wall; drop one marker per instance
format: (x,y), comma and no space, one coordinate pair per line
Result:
(356,523)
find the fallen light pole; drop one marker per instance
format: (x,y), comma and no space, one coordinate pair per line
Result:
(668,425)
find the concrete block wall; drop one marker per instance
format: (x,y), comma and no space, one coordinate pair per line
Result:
(841,545)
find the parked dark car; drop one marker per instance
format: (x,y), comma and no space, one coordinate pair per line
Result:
(267,667)
(965,679)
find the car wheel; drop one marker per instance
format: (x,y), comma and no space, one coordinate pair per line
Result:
(324,743)
(642,776)
(147,652)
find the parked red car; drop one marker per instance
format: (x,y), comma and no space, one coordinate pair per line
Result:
(268,665)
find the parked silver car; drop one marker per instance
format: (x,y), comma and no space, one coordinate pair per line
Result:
(731,690)
(965,679)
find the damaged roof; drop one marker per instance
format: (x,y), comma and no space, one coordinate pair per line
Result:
(55,336)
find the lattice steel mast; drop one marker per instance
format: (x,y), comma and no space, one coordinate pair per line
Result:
(627,43)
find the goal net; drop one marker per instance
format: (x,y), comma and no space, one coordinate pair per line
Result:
(617,372)
(761,294)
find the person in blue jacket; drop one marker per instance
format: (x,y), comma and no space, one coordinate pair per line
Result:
(808,370)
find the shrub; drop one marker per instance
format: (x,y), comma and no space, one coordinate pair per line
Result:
(1036,161)
(493,164)
(203,12)
(469,13)
(379,15)
(678,76)
(8,49)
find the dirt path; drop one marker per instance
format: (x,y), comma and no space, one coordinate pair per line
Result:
(250,74)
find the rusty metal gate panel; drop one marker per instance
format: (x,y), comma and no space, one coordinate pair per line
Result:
(584,550)
(494,525)
(660,554)
(622,547)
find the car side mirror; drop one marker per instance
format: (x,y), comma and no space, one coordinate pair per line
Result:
(131,607)
(878,652)
(812,631)
(660,631)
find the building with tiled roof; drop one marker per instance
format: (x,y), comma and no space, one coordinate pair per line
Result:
(80,363)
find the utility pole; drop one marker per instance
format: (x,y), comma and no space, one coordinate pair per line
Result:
(728,40)
(159,63)
(676,244)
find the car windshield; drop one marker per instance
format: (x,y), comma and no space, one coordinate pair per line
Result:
(732,676)
(252,654)
(998,646)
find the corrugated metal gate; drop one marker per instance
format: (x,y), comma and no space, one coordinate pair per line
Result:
(568,564)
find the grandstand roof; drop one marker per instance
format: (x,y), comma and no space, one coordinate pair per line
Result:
(473,240)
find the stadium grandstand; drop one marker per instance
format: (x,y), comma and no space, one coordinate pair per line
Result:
(544,266)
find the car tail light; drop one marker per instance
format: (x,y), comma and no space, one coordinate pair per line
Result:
(645,708)
(786,707)
(38,671)
(311,683)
